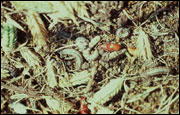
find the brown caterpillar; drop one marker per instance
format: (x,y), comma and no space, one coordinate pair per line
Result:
(156,71)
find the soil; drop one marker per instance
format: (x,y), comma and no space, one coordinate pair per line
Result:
(141,92)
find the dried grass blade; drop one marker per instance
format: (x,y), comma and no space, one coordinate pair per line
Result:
(51,76)
(143,45)
(32,58)
(38,30)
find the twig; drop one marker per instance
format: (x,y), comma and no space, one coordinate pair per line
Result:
(93,72)
(20,90)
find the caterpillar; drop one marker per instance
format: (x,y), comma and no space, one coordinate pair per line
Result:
(74,53)
(156,71)
(9,37)
(90,56)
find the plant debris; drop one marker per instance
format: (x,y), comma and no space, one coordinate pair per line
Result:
(90,57)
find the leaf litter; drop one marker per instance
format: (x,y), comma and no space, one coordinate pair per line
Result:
(42,74)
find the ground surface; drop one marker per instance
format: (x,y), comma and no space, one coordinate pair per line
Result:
(44,71)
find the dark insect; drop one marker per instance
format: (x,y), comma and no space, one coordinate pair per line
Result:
(63,34)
